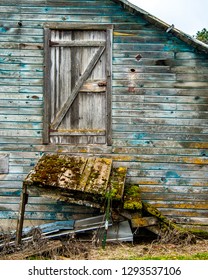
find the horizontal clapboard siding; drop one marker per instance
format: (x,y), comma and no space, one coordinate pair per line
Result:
(159,109)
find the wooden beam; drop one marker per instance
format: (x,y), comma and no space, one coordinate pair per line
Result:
(20,220)
(143,222)
(78,26)
(76,43)
(79,132)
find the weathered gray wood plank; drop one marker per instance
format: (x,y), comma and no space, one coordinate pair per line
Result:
(25,46)
(200,121)
(160,114)
(179,100)
(4,163)
(159,106)
(170,182)
(178,204)
(97,181)
(159,84)
(160,144)
(157,151)
(77,43)
(184,212)
(180,128)
(186,197)
(150,137)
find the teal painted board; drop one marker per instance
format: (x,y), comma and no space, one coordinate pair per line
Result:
(159,104)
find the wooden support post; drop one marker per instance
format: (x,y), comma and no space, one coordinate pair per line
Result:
(20,221)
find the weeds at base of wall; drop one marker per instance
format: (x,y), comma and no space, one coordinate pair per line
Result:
(170,246)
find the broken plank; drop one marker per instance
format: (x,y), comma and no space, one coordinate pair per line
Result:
(143,221)
(67,196)
(155,229)
(117,182)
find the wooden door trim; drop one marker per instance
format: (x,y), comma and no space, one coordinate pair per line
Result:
(78,26)
(46,87)
(109,42)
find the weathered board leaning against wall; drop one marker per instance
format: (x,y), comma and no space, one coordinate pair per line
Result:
(153,99)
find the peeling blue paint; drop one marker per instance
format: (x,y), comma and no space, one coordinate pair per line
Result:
(12,193)
(139,135)
(172,174)
(3,29)
(22,64)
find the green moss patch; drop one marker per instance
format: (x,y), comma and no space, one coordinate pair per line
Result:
(132,198)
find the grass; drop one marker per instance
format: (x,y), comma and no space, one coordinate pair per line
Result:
(198,256)
(152,251)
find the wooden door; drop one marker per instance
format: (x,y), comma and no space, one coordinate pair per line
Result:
(77,106)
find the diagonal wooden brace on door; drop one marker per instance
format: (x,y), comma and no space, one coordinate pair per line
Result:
(60,115)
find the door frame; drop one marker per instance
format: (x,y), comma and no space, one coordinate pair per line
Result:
(47,64)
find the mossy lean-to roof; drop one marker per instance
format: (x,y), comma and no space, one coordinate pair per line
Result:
(77,178)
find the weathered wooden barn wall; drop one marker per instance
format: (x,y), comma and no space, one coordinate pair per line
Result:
(159,108)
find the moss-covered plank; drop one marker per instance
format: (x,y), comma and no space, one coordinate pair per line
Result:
(117,182)
(143,221)
(86,173)
(56,171)
(98,180)
(132,198)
